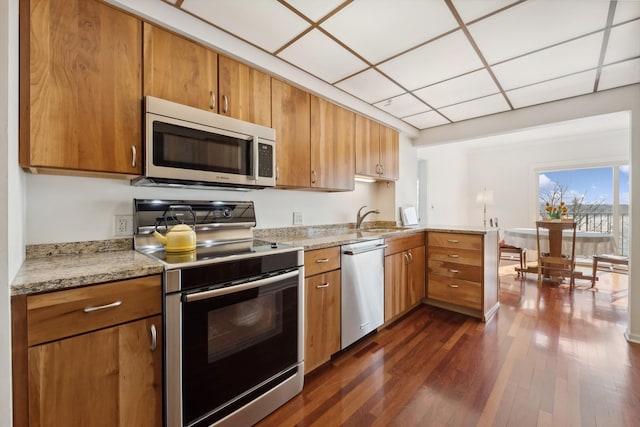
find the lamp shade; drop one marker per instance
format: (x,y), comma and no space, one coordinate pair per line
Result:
(486,197)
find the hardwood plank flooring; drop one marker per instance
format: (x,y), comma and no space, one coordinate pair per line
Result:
(547,358)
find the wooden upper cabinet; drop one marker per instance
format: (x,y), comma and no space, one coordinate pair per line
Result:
(389,153)
(376,149)
(332,146)
(367,146)
(290,110)
(80,88)
(179,70)
(244,92)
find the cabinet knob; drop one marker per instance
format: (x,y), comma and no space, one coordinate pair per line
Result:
(102,307)
(454,256)
(453,241)
(454,286)
(322,260)
(326,285)
(213,100)
(454,271)
(313,176)
(225,109)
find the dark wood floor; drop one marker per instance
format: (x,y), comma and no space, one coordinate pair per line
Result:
(546,358)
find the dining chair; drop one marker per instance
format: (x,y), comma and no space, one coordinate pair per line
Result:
(552,262)
(521,253)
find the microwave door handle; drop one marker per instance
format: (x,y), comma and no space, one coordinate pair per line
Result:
(255,159)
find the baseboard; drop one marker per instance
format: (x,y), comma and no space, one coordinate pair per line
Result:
(634,338)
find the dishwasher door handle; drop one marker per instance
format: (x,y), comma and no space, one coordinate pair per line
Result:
(362,251)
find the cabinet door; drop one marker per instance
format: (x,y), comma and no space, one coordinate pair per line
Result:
(322,318)
(395,284)
(290,110)
(179,70)
(332,146)
(244,92)
(367,146)
(110,377)
(416,276)
(80,85)
(389,153)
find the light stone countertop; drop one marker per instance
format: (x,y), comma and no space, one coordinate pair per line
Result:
(51,267)
(57,270)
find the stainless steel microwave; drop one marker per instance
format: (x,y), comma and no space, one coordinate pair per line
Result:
(187,146)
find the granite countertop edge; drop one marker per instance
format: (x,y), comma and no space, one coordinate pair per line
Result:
(51,267)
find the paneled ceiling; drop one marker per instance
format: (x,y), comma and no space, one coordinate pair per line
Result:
(434,62)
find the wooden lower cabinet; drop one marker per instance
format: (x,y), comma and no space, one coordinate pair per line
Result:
(89,356)
(322,296)
(463,272)
(105,378)
(404,275)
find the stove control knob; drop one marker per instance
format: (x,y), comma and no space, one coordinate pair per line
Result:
(274,245)
(226,213)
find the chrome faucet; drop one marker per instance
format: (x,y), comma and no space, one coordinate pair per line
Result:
(360,218)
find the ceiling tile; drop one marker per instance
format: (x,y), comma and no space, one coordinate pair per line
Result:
(463,88)
(476,108)
(370,86)
(378,29)
(571,57)
(620,74)
(624,42)
(626,10)
(315,10)
(474,9)
(439,60)
(322,57)
(536,24)
(426,120)
(234,16)
(566,87)
(402,106)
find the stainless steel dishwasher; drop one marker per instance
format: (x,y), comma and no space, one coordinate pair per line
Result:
(362,289)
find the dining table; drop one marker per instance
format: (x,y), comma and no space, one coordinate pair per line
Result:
(588,243)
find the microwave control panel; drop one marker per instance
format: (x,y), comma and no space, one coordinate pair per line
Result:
(265,160)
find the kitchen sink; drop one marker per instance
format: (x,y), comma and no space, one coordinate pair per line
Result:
(383,229)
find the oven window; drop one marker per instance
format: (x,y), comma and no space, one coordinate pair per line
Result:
(243,325)
(235,342)
(180,147)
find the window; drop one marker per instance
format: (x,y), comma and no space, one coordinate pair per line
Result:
(597,198)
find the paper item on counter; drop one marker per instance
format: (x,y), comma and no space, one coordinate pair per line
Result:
(409,216)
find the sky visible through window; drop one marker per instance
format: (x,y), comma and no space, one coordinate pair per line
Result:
(596,184)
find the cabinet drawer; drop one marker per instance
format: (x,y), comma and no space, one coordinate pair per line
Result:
(62,314)
(456,271)
(321,260)
(456,240)
(454,291)
(455,256)
(399,244)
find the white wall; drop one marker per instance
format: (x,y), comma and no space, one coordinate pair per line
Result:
(509,166)
(11,201)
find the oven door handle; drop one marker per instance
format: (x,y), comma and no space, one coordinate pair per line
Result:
(198,296)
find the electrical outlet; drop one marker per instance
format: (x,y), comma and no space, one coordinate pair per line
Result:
(297,218)
(123,225)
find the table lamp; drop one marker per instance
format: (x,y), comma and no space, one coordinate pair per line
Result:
(486,198)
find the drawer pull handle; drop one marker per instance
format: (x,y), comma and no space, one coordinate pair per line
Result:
(454,256)
(454,286)
(453,241)
(102,307)
(326,285)
(154,338)
(213,100)
(454,271)
(321,260)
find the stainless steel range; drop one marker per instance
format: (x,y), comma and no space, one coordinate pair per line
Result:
(233,313)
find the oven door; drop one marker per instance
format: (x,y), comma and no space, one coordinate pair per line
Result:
(237,343)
